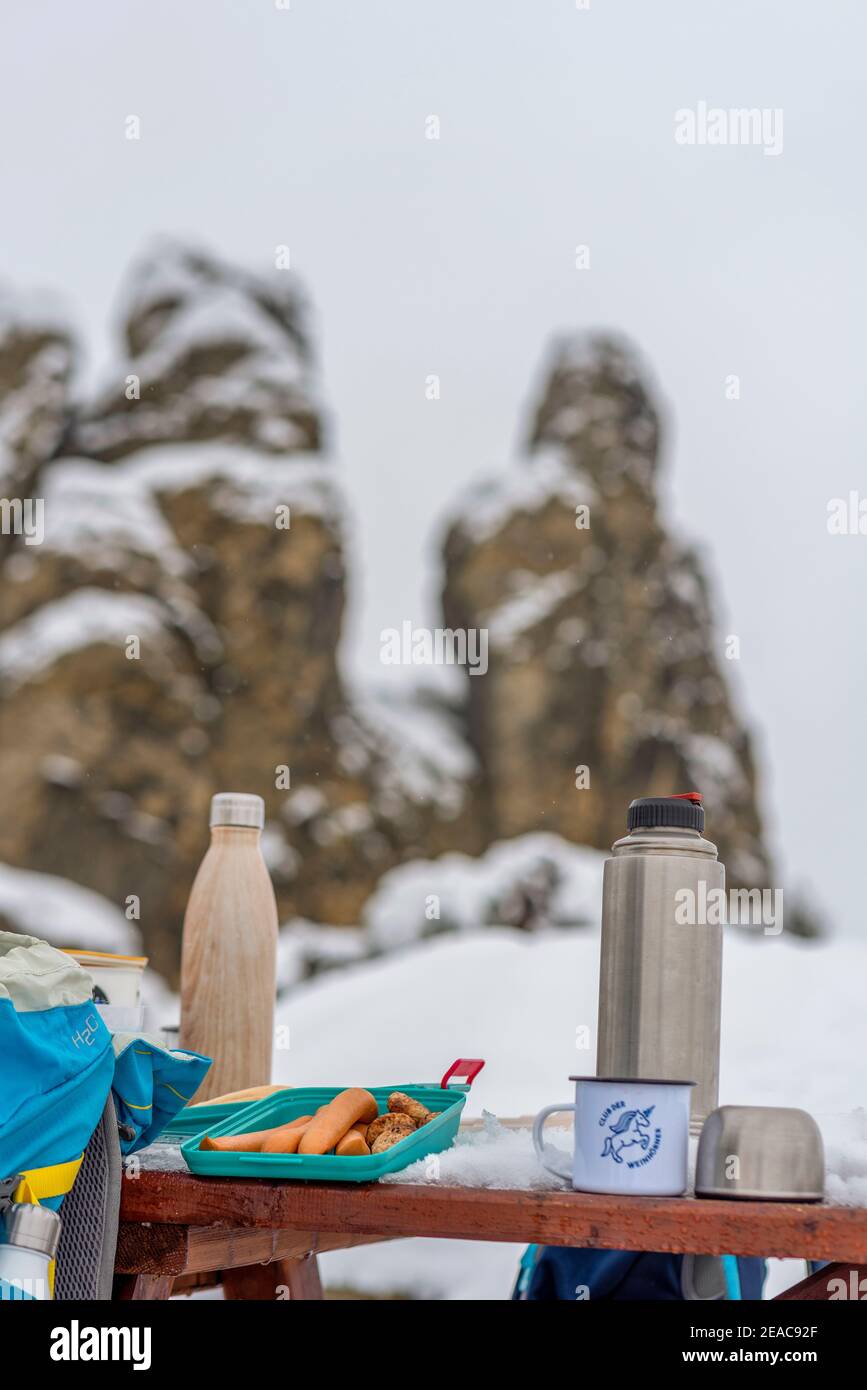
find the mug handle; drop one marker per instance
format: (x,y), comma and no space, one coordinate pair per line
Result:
(538,1142)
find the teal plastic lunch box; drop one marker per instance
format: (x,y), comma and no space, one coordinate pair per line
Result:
(195,1119)
(446,1100)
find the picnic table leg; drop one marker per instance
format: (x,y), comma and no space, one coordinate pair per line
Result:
(142,1287)
(836,1281)
(281,1279)
(303,1277)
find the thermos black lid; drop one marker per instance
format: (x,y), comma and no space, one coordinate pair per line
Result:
(684,811)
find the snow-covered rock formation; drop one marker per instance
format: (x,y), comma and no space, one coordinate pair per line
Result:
(175,631)
(607,673)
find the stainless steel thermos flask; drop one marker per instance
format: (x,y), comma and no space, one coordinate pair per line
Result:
(661,965)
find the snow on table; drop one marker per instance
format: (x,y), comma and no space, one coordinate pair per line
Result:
(499,1156)
(162,1157)
(492,1157)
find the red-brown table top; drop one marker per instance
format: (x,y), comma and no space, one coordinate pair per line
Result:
(681,1225)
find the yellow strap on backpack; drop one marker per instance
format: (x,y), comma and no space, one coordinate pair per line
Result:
(38,1184)
(55,1180)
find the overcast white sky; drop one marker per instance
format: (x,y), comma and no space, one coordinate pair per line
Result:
(306,126)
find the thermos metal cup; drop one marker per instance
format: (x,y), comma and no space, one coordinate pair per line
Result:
(660,980)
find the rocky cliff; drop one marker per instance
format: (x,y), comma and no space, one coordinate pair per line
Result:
(607,673)
(176,631)
(37,357)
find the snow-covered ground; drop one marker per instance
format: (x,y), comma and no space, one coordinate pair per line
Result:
(63,913)
(794,1023)
(794,1033)
(538,875)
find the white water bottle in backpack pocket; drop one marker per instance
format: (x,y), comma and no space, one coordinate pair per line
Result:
(28,1243)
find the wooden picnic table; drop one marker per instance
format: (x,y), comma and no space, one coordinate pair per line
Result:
(261,1238)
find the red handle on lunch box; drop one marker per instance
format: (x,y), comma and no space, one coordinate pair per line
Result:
(468,1067)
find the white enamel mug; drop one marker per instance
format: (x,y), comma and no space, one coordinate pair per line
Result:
(631,1136)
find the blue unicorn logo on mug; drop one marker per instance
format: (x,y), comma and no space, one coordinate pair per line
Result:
(632,1129)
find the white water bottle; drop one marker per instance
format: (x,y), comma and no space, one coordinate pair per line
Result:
(29,1234)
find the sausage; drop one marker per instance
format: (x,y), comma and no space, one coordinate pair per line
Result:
(353,1144)
(340,1114)
(251,1142)
(234,1143)
(286,1139)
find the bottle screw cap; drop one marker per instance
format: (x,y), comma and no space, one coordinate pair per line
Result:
(237,808)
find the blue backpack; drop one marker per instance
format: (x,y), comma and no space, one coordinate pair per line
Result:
(57,1071)
(556,1273)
